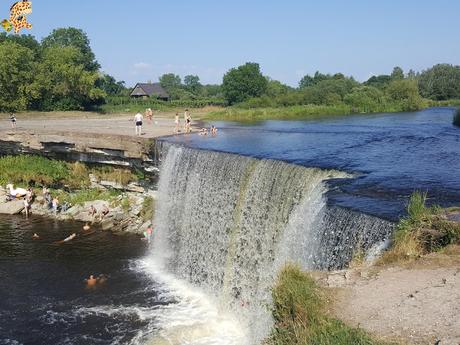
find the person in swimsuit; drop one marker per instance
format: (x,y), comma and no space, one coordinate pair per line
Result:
(91,281)
(105,211)
(138,118)
(176,122)
(67,239)
(149,114)
(13,120)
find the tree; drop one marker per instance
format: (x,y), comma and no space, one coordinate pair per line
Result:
(170,81)
(411,74)
(406,92)
(27,41)
(441,82)
(243,82)
(380,81)
(63,83)
(397,74)
(192,83)
(212,91)
(365,98)
(110,86)
(306,81)
(72,37)
(276,88)
(16,74)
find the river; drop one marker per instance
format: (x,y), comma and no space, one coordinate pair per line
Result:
(231,211)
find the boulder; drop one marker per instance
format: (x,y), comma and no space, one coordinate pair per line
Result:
(134,187)
(12,207)
(107,224)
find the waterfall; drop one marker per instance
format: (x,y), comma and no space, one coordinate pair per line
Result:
(226,224)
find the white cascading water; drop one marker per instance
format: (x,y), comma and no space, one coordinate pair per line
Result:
(224,226)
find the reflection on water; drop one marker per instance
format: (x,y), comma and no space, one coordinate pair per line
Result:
(391,154)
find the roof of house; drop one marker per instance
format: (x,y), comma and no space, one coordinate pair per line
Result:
(150,89)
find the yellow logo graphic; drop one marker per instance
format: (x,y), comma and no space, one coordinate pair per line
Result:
(18,19)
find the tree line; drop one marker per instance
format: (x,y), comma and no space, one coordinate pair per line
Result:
(61,73)
(246,87)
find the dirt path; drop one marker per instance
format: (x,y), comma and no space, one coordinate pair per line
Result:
(418,304)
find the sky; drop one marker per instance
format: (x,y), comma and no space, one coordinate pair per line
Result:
(138,41)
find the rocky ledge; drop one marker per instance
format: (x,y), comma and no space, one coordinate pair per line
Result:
(123,217)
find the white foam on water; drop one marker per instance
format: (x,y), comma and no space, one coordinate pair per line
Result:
(194,319)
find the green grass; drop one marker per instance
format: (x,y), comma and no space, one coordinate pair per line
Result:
(424,230)
(148,209)
(27,170)
(121,176)
(301,317)
(457,118)
(85,195)
(282,113)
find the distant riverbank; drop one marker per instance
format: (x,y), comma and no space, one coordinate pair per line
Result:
(304,112)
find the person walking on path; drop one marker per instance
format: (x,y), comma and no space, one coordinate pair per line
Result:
(13,120)
(149,114)
(138,118)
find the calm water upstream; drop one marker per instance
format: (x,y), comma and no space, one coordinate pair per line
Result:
(391,155)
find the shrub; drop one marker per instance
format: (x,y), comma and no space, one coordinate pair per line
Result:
(423,231)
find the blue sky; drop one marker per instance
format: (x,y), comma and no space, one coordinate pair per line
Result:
(141,40)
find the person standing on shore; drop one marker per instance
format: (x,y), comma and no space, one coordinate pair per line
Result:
(13,120)
(176,122)
(149,114)
(186,116)
(138,118)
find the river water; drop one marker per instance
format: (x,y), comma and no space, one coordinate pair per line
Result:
(44,299)
(224,226)
(390,155)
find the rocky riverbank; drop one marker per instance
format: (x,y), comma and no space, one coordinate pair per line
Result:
(129,212)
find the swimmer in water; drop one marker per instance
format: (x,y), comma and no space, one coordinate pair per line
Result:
(67,239)
(35,237)
(86,227)
(91,281)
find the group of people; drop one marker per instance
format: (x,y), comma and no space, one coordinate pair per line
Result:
(212,131)
(92,211)
(187,122)
(139,121)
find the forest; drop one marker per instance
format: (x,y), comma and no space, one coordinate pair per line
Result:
(61,72)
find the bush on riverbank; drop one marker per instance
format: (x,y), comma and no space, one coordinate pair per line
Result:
(26,169)
(457,118)
(301,317)
(424,230)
